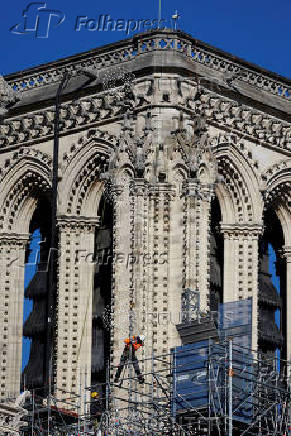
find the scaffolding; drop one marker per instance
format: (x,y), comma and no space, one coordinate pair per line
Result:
(233,391)
(214,386)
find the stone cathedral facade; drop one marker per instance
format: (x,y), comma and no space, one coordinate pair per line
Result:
(174,173)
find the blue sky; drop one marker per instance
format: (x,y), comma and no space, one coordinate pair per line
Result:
(258,31)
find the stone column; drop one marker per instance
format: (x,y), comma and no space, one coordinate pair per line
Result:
(140,261)
(122,282)
(196,224)
(241,267)
(122,286)
(229,270)
(74,306)
(160,294)
(176,264)
(287,254)
(12,252)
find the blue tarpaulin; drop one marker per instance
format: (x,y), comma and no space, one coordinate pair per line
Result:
(200,370)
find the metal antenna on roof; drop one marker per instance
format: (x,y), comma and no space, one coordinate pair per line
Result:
(160,12)
(175,18)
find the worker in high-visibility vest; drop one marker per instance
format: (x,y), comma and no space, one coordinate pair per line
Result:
(132,344)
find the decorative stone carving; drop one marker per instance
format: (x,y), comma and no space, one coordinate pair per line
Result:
(77,223)
(11,416)
(242,120)
(7,97)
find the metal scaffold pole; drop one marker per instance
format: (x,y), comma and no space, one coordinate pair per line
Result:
(32,421)
(79,403)
(156,410)
(85,404)
(230,376)
(107,387)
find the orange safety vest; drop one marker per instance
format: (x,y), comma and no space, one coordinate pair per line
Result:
(134,343)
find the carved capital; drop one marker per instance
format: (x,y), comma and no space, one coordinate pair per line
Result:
(78,224)
(201,191)
(14,240)
(244,230)
(139,187)
(286,253)
(162,189)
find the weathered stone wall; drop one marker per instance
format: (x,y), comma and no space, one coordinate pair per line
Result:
(159,148)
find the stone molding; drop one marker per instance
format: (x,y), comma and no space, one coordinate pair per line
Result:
(286,253)
(235,69)
(248,231)
(241,120)
(13,239)
(77,224)
(166,189)
(201,191)
(8,96)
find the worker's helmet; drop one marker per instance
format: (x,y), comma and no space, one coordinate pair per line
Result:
(142,338)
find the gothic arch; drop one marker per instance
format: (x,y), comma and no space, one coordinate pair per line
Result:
(278,195)
(24,180)
(277,225)
(239,194)
(226,203)
(81,181)
(177,167)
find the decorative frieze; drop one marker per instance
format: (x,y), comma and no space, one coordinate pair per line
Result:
(234,72)
(8,97)
(248,231)
(231,115)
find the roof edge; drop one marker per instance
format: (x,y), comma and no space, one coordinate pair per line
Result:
(179,33)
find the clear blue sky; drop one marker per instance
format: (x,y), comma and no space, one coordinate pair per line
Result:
(256,30)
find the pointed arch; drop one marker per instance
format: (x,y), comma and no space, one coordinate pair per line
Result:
(239,193)
(226,203)
(25,178)
(82,184)
(278,195)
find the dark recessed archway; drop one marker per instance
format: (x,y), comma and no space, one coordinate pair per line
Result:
(101,304)
(216,256)
(271,298)
(35,324)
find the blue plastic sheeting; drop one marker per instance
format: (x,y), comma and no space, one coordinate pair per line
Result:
(234,314)
(191,369)
(235,320)
(242,386)
(200,370)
